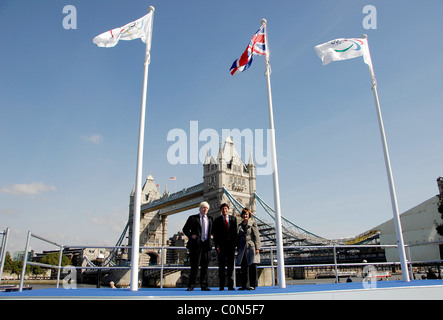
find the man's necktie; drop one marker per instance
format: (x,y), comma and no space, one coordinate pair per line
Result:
(204,228)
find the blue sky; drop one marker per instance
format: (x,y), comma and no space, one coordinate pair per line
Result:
(69,110)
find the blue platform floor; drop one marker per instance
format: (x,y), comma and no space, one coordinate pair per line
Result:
(415,289)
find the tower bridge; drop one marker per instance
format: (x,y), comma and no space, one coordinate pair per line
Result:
(225,179)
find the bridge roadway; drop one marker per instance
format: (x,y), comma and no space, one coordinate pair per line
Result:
(190,198)
(293,235)
(183,200)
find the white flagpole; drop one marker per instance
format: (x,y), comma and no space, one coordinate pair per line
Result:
(138,179)
(279,238)
(397,222)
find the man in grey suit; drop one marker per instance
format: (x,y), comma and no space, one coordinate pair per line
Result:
(198,229)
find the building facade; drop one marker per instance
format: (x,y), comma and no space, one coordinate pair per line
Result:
(419,225)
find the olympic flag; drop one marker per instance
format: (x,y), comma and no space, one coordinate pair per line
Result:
(140,28)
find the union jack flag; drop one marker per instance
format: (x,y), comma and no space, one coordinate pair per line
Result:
(257,46)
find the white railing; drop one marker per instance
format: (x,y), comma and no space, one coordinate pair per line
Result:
(268,250)
(3,245)
(25,258)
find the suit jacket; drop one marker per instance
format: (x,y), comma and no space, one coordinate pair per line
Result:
(193,227)
(221,233)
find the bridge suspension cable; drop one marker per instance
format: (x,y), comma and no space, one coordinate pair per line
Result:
(110,258)
(290,226)
(292,233)
(264,227)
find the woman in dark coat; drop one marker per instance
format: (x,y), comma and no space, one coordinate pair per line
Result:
(248,250)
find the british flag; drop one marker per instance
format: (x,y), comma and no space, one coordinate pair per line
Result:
(257,46)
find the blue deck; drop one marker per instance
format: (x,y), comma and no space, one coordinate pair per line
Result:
(431,288)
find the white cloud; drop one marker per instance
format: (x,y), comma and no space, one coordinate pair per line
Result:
(95,138)
(114,221)
(33,188)
(7,212)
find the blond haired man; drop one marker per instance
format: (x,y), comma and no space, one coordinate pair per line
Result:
(198,229)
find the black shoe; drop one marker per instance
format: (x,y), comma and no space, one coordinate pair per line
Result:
(242,288)
(231,289)
(221,289)
(206,289)
(190,289)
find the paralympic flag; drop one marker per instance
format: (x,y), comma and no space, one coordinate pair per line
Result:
(140,28)
(257,46)
(344,49)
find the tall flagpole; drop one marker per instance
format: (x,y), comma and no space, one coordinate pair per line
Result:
(397,222)
(280,255)
(138,180)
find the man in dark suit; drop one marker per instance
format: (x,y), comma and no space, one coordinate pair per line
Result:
(225,238)
(198,229)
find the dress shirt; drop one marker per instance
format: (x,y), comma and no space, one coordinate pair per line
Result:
(204,223)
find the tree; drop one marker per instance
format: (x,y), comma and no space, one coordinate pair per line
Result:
(8,262)
(52,259)
(12,266)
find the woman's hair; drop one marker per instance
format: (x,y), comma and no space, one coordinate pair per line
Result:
(246,210)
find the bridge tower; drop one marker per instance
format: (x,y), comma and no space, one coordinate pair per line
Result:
(152,225)
(228,170)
